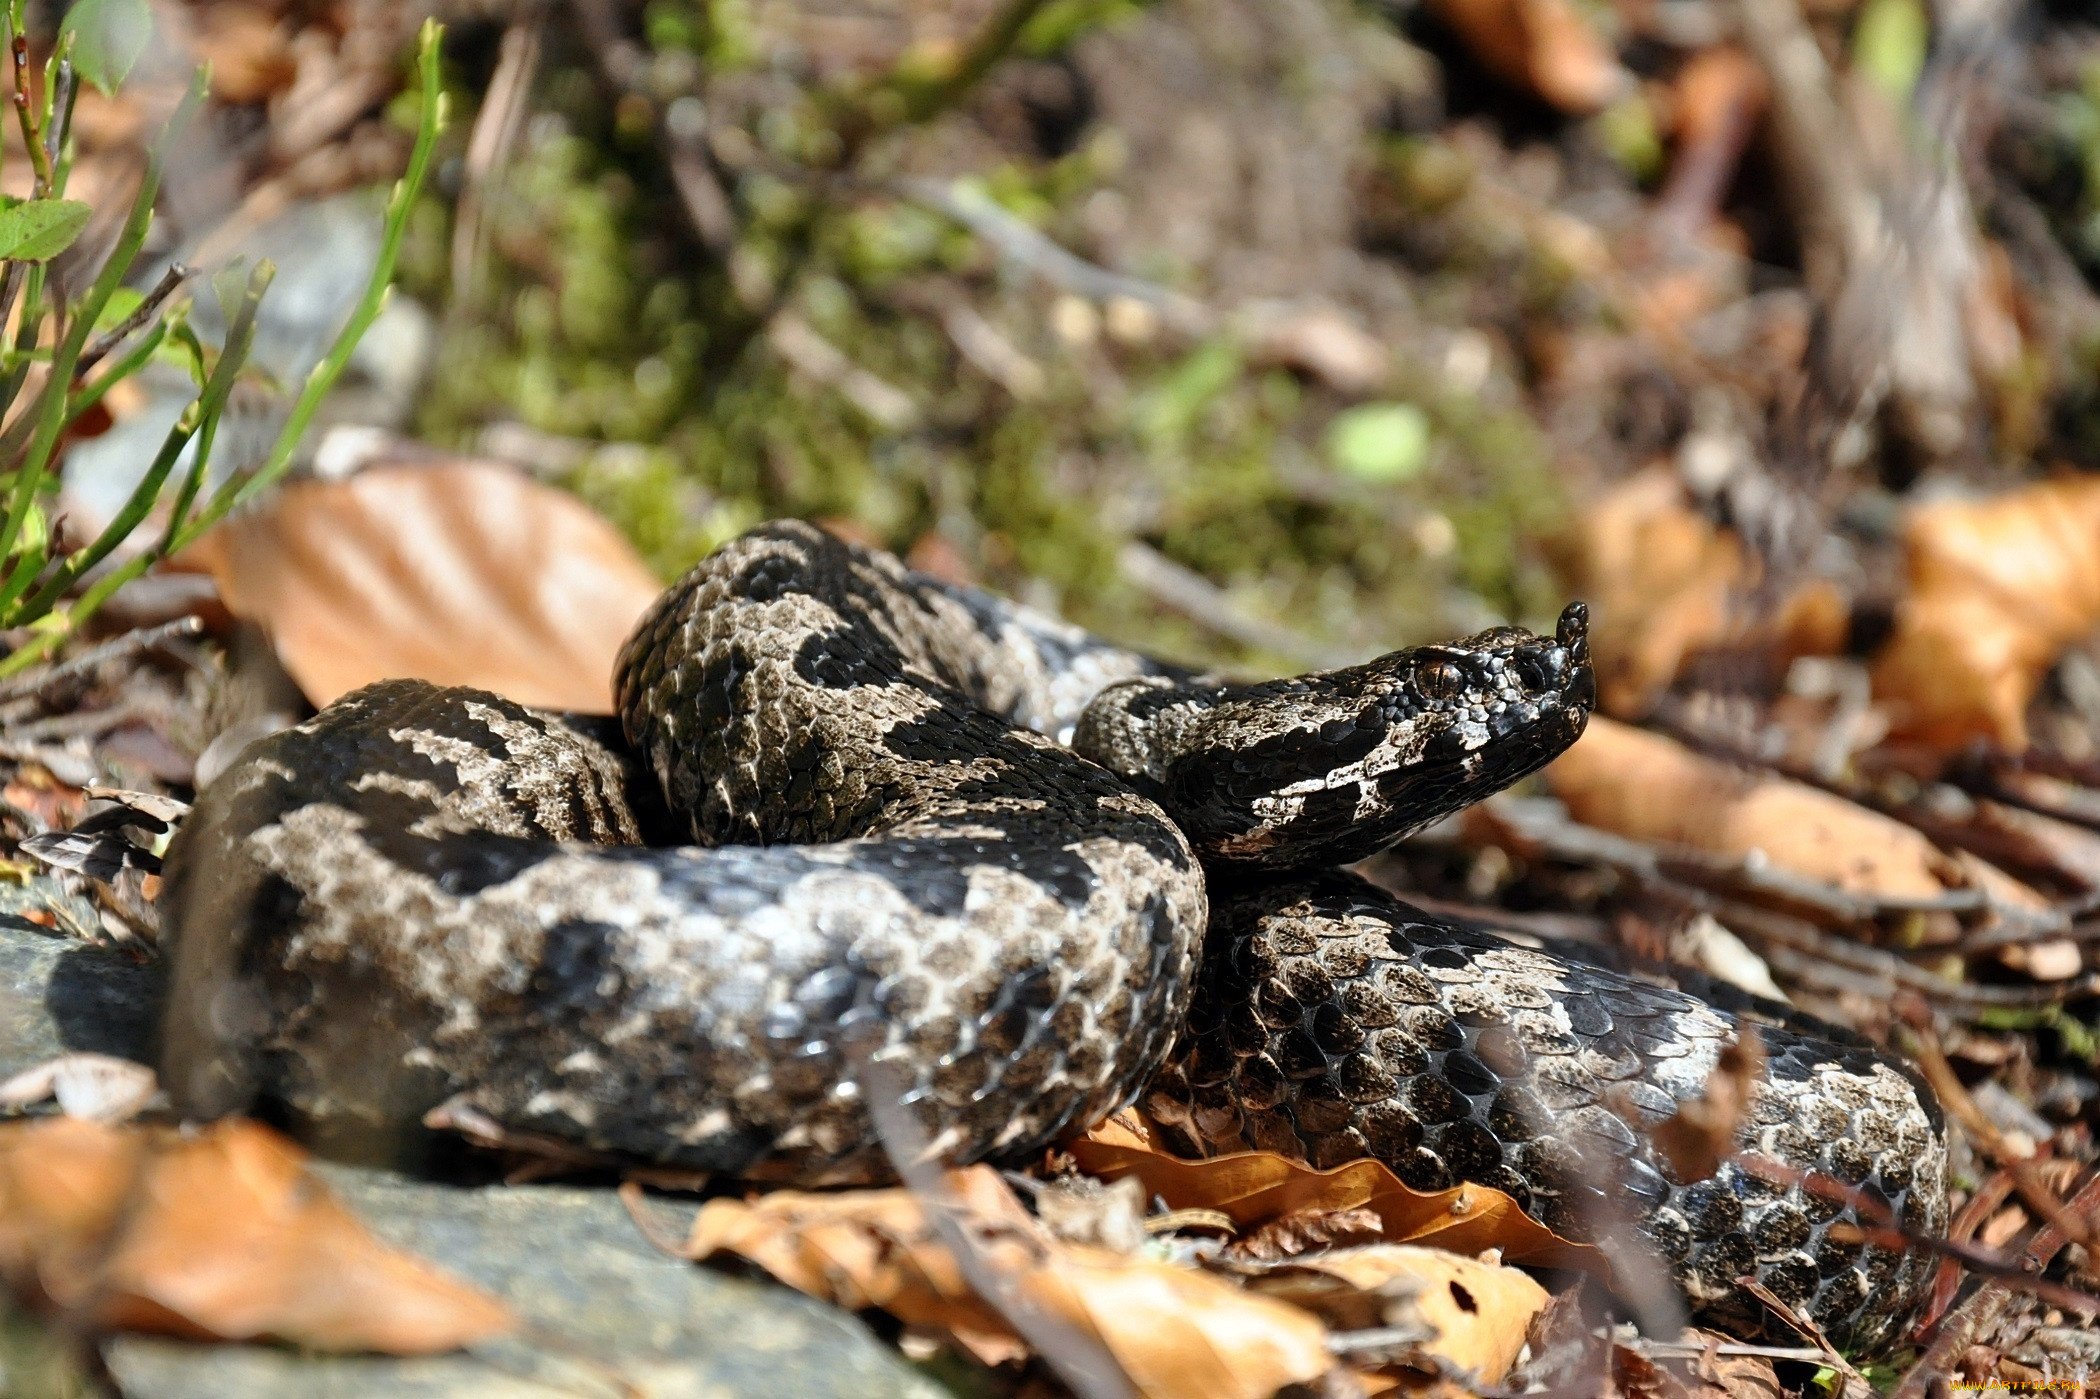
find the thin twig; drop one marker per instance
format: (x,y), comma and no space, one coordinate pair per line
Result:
(26,112)
(99,348)
(1891,972)
(1882,1230)
(63,90)
(1990,1299)
(1806,1325)
(1082,1362)
(886,106)
(1032,251)
(883,403)
(1678,719)
(1981,1205)
(1705,881)
(131,643)
(2035,1192)
(1197,598)
(495,133)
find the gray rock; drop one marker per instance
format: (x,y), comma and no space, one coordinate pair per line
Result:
(58,993)
(604,1312)
(602,1309)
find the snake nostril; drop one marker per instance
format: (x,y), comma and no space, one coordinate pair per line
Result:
(1539,671)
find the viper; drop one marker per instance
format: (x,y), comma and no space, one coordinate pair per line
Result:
(864,847)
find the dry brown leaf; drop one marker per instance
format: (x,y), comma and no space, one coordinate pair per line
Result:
(1174,1331)
(1697,1137)
(1254,1188)
(249,50)
(224,1235)
(1302,1232)
(1995,590)
(1477,1313)
(1547,47)
(460,572)
(1664,583)
(1651,788)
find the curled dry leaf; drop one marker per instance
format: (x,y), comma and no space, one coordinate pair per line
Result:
(1082,1210)
(1547,47)
(1471,1313)
(460,572)
(1665,583)
(1302,1231)
(1174,1331)
(1648,787)
(1697,1137)
(221,1235)
(1255,1188)
(1995,590)
(122,836)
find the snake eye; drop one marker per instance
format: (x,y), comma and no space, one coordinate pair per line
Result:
(1440,680)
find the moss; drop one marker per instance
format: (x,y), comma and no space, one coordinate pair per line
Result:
(600,321)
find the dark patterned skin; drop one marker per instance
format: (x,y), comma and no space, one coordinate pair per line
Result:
(862,833)
(1325,769)
(1332,1021)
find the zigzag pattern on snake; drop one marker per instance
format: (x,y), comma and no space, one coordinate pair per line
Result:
(860,829)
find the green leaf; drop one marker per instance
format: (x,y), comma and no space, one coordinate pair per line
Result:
(122,302)
(1382,442)
(1889,43)
(230,285)
(41,229)
(108,37)
(1167,413)
(1628,130)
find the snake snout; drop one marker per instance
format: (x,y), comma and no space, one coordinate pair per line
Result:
(1555,668)
(1573,634)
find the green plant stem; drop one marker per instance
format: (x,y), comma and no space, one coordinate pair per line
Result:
(128,364)
(431,122)
(26,109)
(200,422)
(51,408)
(27,331)
(924,101)
(148,308)
(201,416)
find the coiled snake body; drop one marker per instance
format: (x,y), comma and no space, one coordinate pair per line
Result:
(865,832)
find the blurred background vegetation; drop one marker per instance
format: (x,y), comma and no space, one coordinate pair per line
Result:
(757,259)
(1266,332)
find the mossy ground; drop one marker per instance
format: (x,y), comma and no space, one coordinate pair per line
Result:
(597,317)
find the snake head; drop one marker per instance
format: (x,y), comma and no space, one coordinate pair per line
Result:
(1334,766)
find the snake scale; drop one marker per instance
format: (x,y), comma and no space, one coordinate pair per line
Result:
(859,831)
